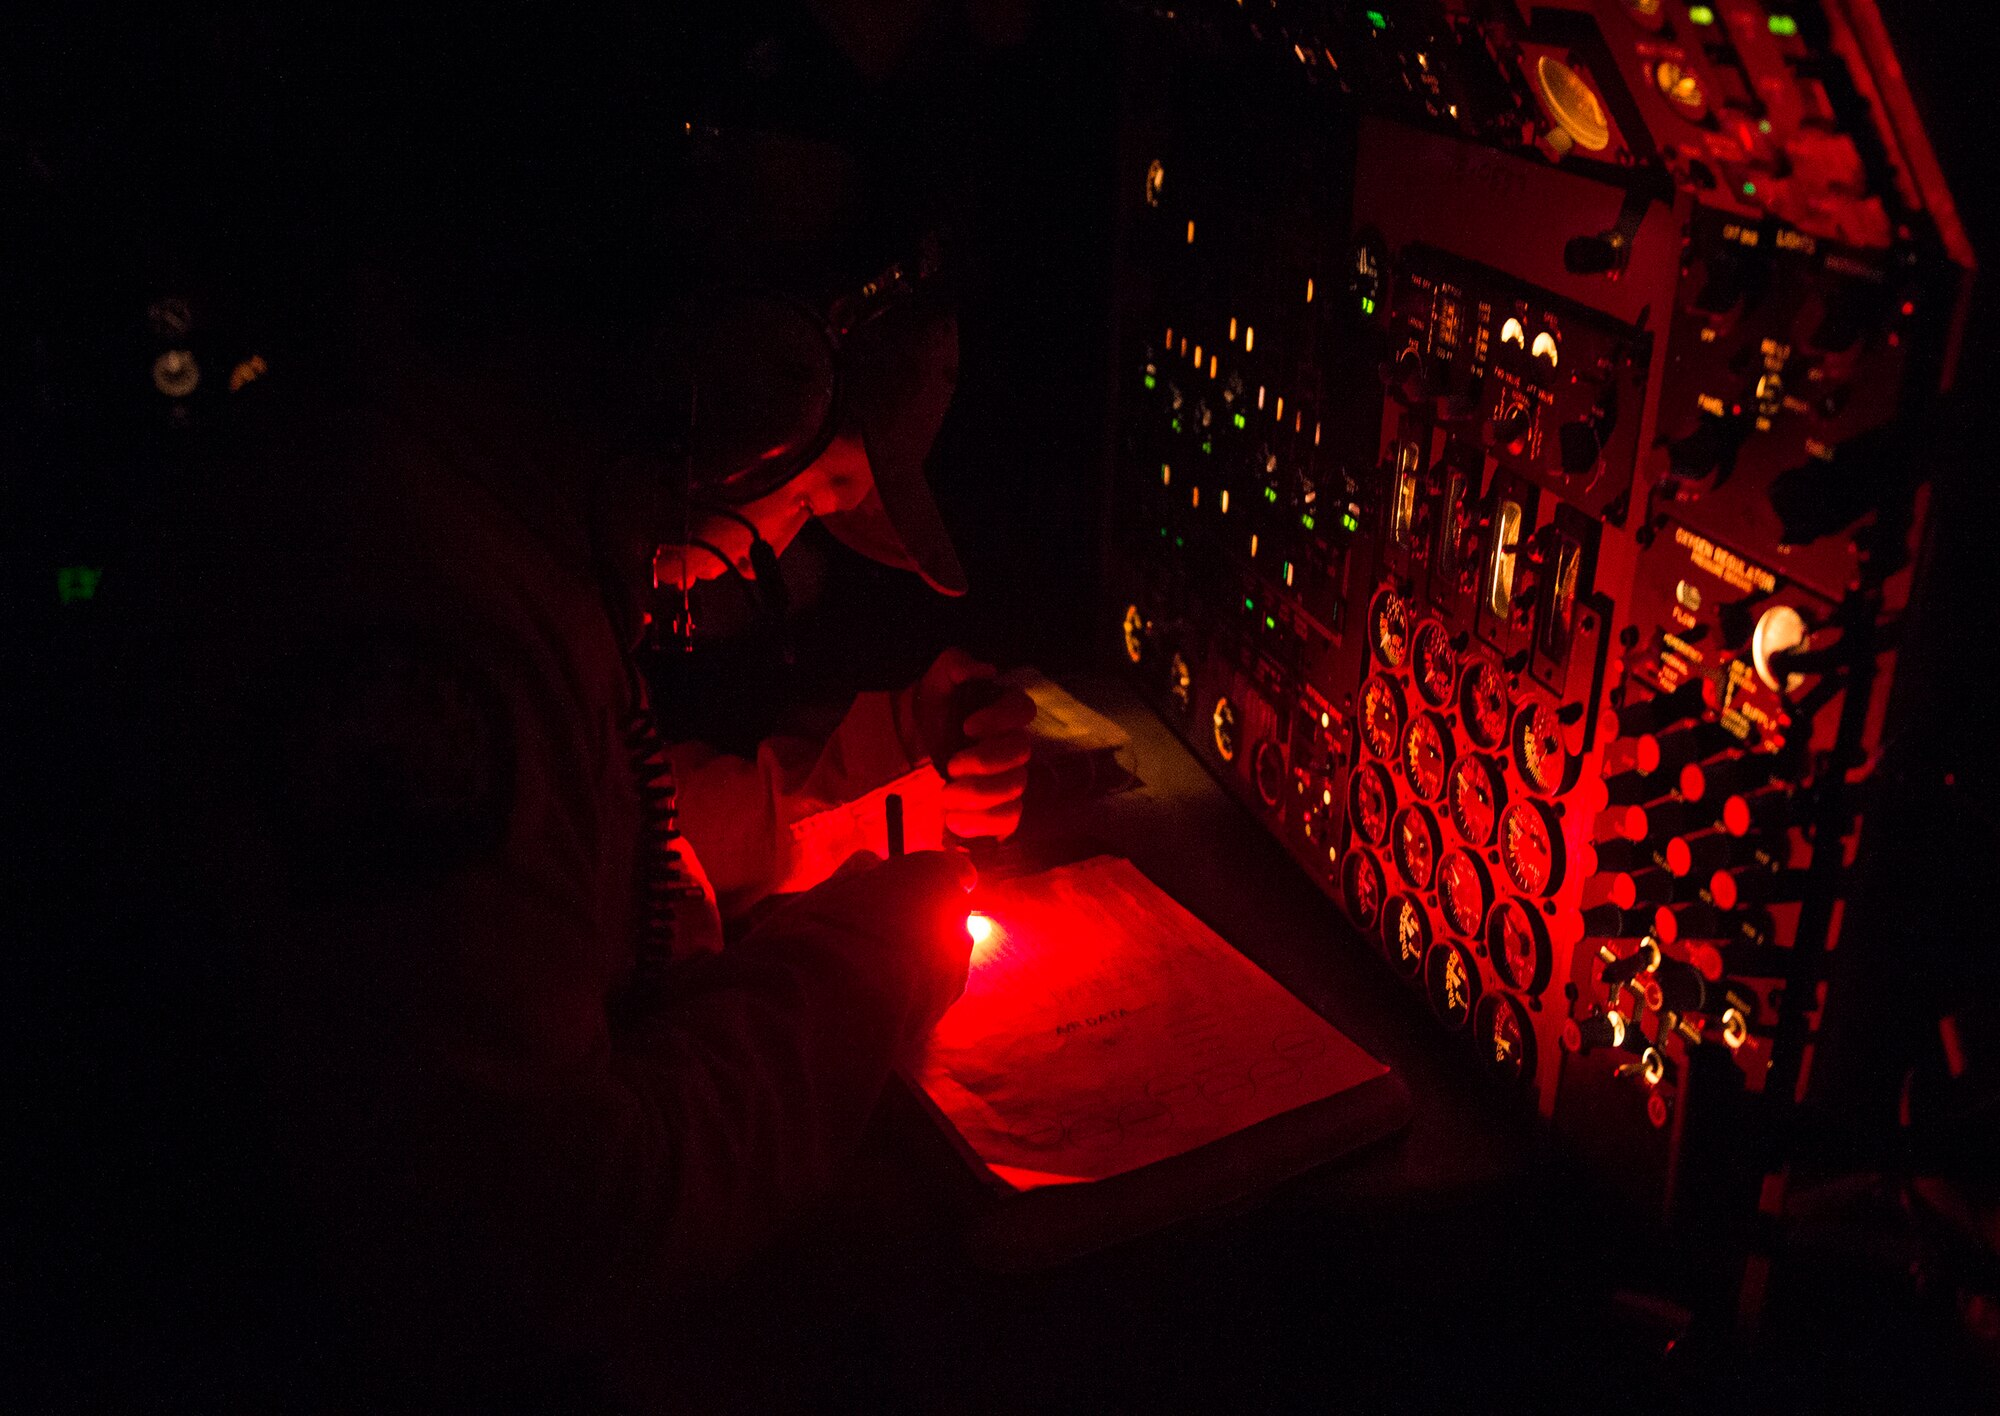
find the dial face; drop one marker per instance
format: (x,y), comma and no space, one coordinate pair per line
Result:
(1427,755)
(1371,801)
(1415,843)
(1223,720)
(1361,888)
(1381,717)
(1464,891)
(1452,983)
(1135,634)
(1179,680)
(1538,748)
(1476,796)
(1268,771)
(1531,847)
(1406,935)
(1518,944)
(1482,702)
(1436,664)
(1506,1037)
(1389,628)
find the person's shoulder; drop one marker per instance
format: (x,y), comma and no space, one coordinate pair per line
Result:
(393,764)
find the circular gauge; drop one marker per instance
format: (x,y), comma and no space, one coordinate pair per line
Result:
(1381,716)
(1465,891)
(1135,634)
(1780,629)
(1361,888)
(1415,843)
(1389,628)
(1482,702)
(1452,982)
(1180,680)
(1476,795)
(1506,1036)
(1436,664)
(1518,943)
(1531,849)
(1539,753)
(1223,720)
(1371,801)
(1267,770)
(1427,755)
(1406,934)
(1573,104)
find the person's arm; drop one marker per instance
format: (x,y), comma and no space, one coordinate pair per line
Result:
(783,821)
(487,1145)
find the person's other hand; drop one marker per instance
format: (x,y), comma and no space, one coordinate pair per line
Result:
(915,904)
(984,758)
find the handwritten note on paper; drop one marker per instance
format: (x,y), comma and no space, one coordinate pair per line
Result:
(1104,1028)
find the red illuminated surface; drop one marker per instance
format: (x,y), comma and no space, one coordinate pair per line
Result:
(1475,799)
(1416,846)
(1463,890)
(1483,703)
(1436,664)
(1371,802)
(1538,748)
(1427,755)
(1389,628)
(1381,716)
(1530,849)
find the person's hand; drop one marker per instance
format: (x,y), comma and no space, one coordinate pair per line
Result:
(984,758)
(915,904)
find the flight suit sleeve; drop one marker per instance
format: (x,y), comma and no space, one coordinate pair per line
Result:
(481,1140)
(786,819)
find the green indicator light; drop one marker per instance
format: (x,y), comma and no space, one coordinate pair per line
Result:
(1248,603)
(1176,425)
(1270,623)
(1306,521)
(1152,382)
(1367,304)
(1749,189)
(1784,25)
(1163,532)
(1240,421)
(1701,14)
(1270,494)
(1179,542)
(1375,19)
(1763,125)
(1349,521)
(1208,447)
(78,582)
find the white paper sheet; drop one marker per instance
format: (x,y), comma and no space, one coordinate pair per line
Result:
(1104,1028)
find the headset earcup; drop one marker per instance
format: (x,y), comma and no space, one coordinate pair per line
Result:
(760,383)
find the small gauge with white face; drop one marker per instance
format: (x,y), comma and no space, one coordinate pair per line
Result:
(1389,628)
(1361,888)
(1483,702)
(1381,717)
(1371,802)
(1435,662)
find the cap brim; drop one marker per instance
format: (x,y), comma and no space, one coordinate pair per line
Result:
(898,379)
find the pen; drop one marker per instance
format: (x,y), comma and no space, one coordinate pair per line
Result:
(893,809)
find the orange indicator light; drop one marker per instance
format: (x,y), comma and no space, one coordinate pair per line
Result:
(1190,231)
(979,927)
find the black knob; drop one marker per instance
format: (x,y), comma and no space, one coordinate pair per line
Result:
(1731,774)
(1636,788)
(1708,454)
(1693,742)
(1610,922)
(1620,854)
(1683,987)
(1748,928)
(1510,427)
(1663,710)
(1607,1029)
(1579,446)
(1702,855)
(1682,818)
(1763,813)
(1756,884)
(1642,959)
(1595,255)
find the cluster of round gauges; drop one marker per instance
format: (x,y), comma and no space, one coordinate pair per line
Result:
(1455,842)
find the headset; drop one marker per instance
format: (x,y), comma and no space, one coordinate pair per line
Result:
(762,375)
